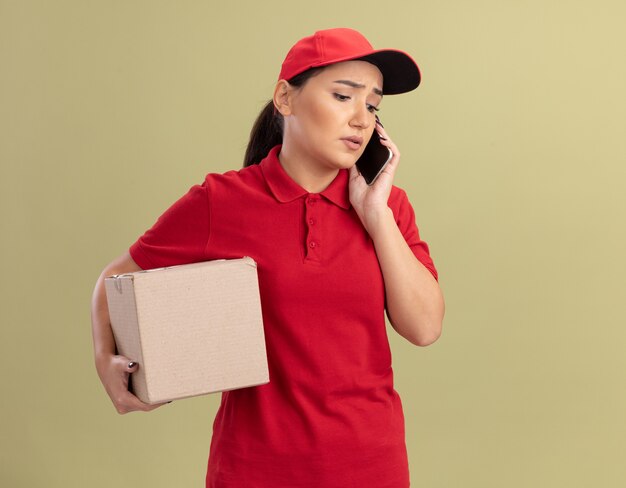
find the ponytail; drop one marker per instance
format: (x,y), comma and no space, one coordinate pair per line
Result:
(267,130)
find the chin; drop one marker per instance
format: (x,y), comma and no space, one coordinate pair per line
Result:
(341,159)
(347,160)
(346,163)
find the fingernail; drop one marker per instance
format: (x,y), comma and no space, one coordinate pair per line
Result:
(383,138)
(132,364)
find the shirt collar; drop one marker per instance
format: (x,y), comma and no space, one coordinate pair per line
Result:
(285,189)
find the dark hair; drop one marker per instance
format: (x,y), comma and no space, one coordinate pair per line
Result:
(267,130)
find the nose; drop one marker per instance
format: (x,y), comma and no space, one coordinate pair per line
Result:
(360,117)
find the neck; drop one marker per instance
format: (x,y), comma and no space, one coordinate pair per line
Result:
(307,173)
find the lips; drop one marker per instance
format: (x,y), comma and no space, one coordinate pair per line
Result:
(353,142)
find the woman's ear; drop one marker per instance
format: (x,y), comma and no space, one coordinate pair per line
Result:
(283,97)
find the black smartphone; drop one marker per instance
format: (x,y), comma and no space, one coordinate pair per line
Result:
(374,159)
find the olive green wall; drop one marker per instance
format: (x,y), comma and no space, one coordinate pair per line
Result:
(513,155)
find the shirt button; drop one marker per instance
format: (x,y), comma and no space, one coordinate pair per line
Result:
(312,244)
(311,200)
(311,221)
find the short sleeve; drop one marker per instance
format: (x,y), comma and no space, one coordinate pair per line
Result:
(180,234)
(405,218)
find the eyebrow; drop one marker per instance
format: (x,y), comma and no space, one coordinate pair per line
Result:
(358,85)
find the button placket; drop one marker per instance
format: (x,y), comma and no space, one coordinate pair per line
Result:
(312,239)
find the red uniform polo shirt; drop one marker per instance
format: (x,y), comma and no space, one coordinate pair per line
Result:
(329,417)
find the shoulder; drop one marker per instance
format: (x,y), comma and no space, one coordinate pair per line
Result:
(233,179)
(397,195)
(398,201)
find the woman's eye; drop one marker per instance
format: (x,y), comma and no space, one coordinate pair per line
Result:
(343,98)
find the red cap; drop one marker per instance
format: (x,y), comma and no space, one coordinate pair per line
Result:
(400,72)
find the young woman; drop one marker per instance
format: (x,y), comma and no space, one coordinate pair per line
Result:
(333,255)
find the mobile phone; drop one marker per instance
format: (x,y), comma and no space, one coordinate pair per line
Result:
(374,159)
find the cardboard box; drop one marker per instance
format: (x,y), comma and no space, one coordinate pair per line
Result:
(194,328)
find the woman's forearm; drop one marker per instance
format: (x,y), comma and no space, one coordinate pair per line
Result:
(415,304)
(103,340)
(113,369)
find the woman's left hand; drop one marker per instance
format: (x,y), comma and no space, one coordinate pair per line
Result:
(370,202)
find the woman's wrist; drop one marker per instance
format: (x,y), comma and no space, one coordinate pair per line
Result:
(378,222)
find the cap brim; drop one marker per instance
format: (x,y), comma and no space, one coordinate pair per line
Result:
(400,72)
